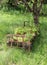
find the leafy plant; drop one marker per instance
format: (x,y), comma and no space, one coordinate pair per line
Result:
(28,31)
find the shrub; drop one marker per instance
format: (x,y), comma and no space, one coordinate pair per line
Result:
(28,31)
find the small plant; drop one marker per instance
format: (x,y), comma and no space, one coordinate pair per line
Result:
(27,31)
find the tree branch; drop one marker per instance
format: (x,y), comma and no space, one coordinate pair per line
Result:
(41,3)
(35,7)
(26,4)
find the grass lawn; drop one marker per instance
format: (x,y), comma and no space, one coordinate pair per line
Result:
(17,56)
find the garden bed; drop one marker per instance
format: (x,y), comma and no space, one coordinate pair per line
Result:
(22,37)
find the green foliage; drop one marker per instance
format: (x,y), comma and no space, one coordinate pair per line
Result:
(3,2)
(23,30)
(11,56)
(45,1)
(44,9)
(28,31)
(20,7)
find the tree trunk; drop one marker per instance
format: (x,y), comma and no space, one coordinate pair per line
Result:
(35,12)
(36,19)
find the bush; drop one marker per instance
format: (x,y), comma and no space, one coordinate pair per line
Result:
(3,3)
(28,31)
(44,10)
